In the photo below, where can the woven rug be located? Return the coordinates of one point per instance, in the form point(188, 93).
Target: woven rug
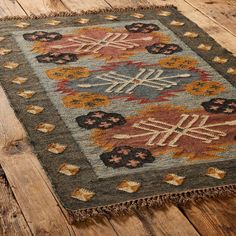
point(125, 109)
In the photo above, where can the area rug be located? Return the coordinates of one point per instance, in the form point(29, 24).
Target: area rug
point(125, 109)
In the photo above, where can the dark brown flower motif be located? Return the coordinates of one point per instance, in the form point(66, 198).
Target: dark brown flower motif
point(42, 36)
point(162, 48)
point(57, 58)
point(142, 28)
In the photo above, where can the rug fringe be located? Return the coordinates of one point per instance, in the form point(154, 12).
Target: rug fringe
point(82, 13)
point(158, 201)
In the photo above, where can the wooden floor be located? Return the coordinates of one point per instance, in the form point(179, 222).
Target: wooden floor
point(27, 203)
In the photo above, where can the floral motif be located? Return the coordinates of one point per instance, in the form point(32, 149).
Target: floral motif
point(142, 28)
point(57, 58)
point(163, 48)
point(42, 36)
point(220, 105)
point(68, 73)
point(102, 42)
point(204, 88)
point(85, 100)
point(169, 130)
point(126, 156)
point(100, 119)
point(178, 62)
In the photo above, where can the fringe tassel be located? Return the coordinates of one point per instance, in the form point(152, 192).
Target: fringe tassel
point(82, 13)
point(129, 207)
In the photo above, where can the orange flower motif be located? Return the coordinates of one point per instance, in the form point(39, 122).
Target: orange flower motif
point(178, 62)
point(68, 73)
point(85, 100)
point(204, 88)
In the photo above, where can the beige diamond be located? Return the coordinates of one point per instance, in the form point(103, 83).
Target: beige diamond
point(137, 15)
point(164, 13)
point(19, 80)
point(68, 169)
point(1, 38)
point(23, 24)
point(53, 22)
point(205, 47)
point(26, 94)
point(11, 65)
point(82, 20)
point(82, 194)
point(34, 109)
point(176, 23)
point(191, 34)
point(128, 186)
point(56, 148)
point(45, 127)
point(231, 71)
point(4, 51)
point(215, 173)
point(220, 60)
point(110, 17)
point(174, 179)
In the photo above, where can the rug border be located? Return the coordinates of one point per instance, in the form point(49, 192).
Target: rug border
point(152, 201)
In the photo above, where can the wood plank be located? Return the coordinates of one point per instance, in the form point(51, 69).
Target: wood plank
point(10, 8)
point(167, 221)
point(39, 207)
point(12, 221)
point(85, 5)
point(127, 3)
point(42, 6)
point(214, 217)
point(222, 12)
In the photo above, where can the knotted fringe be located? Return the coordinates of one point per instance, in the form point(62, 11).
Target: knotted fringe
point(81, 13)
point(129, 207)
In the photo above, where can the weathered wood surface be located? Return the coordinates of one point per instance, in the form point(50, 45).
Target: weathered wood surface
point(42, 212)
point(12, 221)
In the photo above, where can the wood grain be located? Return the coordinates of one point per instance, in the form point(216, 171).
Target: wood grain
point(222, 12)
point(10, 8)
point(214, 217)
point(42, 6)
point(12, 221)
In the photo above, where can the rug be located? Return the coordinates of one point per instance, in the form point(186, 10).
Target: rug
point(125, 109)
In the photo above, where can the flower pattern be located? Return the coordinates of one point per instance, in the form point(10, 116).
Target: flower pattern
point(100, 120)
point(220, 105)
point(204, 88)
point(68, 73)
point(126, 156)
point(57, 58)
point(162, 48)
point(178, 62)
point(85, 100)
point(42, 36)
point(142, 28)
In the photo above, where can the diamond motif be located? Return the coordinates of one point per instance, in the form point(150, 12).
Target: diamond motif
point(215, 173)
point(191, 34)
point(164, 13)
point(53, 22)
point(56, 148)
point(83, 20)
point(83, 194)
point(128, 186)
point(110, 17)
point(137, 15)
point(11, 65)
point(4, 51)
point(26, 94)
point(205, 47)
point(174, 179)
point(22, 25)
point(68, 169)
point(45, 127)
point(231, 71)
point(220, 60)
point(34, 109)
point(19, 80)
point(176, 23)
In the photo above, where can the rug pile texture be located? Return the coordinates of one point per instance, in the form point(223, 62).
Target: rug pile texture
point(125, 109)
